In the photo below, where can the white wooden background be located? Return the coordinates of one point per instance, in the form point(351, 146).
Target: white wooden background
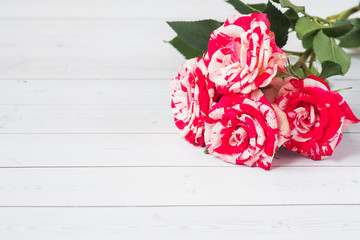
point(88, 148)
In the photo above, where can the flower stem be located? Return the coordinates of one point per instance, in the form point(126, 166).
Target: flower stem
point(293, 52)
point(302, 59)
point(306, 70)
point(342, 89)
point(345, 14)
point(312, 59)
point(316, 19)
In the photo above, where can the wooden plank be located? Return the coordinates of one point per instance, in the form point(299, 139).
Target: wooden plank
point(193, 9)
point(95, 49)
point(124, 118)
point(86, 119)
point(44, 92)
point(256, 222)
point(136, 91)
point(352, 96)
point(180, 186)
point(119, 150)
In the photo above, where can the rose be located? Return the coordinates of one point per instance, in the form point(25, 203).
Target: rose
point(191, 98)
point(271, 91)
point(243, 54)
point(316, 116)
point(245, 129)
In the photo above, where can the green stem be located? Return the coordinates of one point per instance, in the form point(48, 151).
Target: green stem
point(302, 59)
point(292, 72)
point(316, 18)
point(342, 89)
point(345, 14)
point(312, 59)
point(306, 70)
point(293, 52)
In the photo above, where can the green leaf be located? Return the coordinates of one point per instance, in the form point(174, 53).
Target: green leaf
point(305, 27)
point(276, 1)
point(246, 8)
point(300, 73)
point(340, 28)
point(307, 41)
point(288, 4)
point(352, 39)
point(195, 34)
point(330, 68)
point(279, 24)
point(187, 51)
point(206, 151)
point(326, 50)
point(292, 16)
point(258, 6)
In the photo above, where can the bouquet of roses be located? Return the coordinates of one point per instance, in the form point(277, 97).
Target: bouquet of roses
point(240, 96)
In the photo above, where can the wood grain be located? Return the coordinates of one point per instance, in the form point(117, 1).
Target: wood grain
point(95, 49)
point(131, 118)
point(180, 186)
point(89, 150)
point(256, 222)
point(144, 150)
point(155, 9)
point(112, 91)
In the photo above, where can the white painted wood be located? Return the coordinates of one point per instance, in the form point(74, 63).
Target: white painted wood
point(100, 69)
point(82, 150)
point(156, 9)
point(95, 49)
point(131, 118)
point(86, 119)
point(129, 10)
point(213, 223)
point(48, 92)
point(85, 92)
point(173, 186)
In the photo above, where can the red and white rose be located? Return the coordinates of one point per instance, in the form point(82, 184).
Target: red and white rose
point(191, 98)
point(243, 54)
point(317, 116)
point(245, 129)
point(231, 100)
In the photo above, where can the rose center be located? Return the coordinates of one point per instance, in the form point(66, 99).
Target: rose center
point(305, 117)
point(238, 137)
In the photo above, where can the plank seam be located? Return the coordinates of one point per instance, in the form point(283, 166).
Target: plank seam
point(172, 166)
point(184, 206)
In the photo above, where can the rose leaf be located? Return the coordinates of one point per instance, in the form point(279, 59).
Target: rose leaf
point(187, 51)
point(292, 16)
point(304, 27)
point(326, 50)
point(288, 4)
point(307, 41)
point(340, 28)
point(329, 68)
point(279, 24)
point(246, 8)
point(195, 34)
point(352, 39)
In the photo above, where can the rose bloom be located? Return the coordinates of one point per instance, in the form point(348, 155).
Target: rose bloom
point(243, 54)
point(191, 98)
point(317, 116)
point(271, 91)
point(245, 129)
